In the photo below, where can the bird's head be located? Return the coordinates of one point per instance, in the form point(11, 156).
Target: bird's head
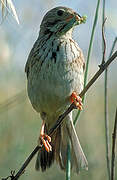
point(60, 20)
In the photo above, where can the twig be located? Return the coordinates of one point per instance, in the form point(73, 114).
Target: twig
point(104, 41)
point(22, 169)
point(92, 35)
point(105, 93)
point(106, 122)
point(10, 8)
point(113, 148)
point(113, 46)
point(60, 119)
point(89, 53)
point(106, 114)
point(103, 32)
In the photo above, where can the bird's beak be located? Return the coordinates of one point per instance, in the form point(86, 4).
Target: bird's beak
point(79, 19)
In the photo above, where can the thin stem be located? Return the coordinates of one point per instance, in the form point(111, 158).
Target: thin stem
point(106, 115)
point(106, 122)
point(68, 168)
point(103, 33)
point(113, 46)
point(91, 41)
point(105, 94)
point(104, 41)
point(89, 53)
point(114, 148)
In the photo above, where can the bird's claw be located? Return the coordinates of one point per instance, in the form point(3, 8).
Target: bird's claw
point(77, 100)
point(45, 139)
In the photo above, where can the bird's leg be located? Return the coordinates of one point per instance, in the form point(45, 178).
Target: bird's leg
point(45, 139)
point(77, 100)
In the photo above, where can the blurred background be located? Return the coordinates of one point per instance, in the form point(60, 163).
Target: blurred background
point(19, 123)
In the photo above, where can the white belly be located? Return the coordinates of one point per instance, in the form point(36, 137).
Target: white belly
point(49, 88)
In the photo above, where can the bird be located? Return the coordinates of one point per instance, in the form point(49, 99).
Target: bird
point(55, 78)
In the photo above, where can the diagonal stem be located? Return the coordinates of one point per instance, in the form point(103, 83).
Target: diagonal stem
point(114, 136)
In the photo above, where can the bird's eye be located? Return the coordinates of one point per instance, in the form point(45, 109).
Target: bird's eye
point(60, 12)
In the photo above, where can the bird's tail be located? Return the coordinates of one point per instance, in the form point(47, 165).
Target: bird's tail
point(59, 144)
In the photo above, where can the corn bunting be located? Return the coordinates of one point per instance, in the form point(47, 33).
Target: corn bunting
point(55, 76)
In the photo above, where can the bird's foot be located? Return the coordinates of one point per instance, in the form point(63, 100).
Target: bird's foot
point(77, 100)
point(45, 139)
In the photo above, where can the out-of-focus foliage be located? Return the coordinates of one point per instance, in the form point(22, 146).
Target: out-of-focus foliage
point(7, 5)
point(20, 124)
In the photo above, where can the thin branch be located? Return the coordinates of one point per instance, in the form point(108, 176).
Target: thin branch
point(113, 46)
point(106, 122)
point(114, 148)
point(105, 93)
point(103, 31)
point(104, 41)
point(10, 8)
point(106, 114)
point(60, 119)
point(91, 40)
point(11, 176)
point(89, 53)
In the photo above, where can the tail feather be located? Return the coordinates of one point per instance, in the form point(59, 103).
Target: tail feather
point(44, 160)
point(59, 144)
point(78, 155)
